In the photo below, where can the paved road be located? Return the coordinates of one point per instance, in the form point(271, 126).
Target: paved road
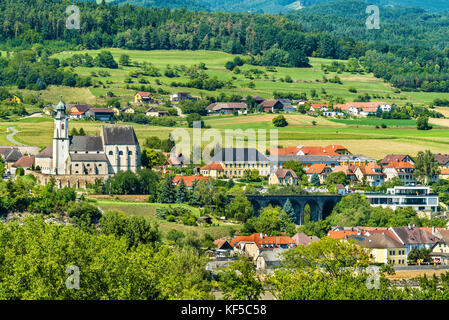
point(34, 115)
point(10, 138)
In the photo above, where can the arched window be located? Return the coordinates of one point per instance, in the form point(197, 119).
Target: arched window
point(111, 153)
point(130, 153)
point(120, 153)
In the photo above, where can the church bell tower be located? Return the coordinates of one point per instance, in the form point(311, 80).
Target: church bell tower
point(60, 140)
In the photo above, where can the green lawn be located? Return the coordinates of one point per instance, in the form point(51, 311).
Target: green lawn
point(148, 210)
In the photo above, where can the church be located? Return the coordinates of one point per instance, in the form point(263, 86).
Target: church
point(79, 160)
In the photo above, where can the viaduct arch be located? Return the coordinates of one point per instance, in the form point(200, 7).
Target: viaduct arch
point(320, 205)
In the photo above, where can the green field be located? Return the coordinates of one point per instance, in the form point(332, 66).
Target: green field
point(148, 210)
point(304, 79)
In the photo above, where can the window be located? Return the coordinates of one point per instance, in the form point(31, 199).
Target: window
point(130, 153)
point(111, 153)
point(120, 153)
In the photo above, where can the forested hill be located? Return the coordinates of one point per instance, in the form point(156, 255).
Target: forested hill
point(409, 55)
point(272, 6)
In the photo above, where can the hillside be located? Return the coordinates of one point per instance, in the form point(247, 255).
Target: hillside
point(272, 6)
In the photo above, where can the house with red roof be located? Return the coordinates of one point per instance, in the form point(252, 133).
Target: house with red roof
point(256, 243)
point(321, 169)
point(212, 169)
point(404, 170)
point(396, 158)
point(349, 171)
point(189, 180)
point(371, 174)
point(143, 97)
point(363, 109)
point(100, 114)
point(25, 162)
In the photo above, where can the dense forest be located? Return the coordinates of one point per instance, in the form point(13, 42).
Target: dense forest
point(410, 55)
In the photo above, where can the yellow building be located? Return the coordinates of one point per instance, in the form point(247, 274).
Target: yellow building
point(235, 161)
point(142, 97)
point(384, 248)
point(16, 99)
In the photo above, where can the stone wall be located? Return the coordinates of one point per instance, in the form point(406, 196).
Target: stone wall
point(72, 181)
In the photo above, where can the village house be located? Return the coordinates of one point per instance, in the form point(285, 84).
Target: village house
point(371, 174)
point(253, 245)
point(403, 170)
point(349, 172)
point(443, 160)
point(212, 169)
point(385, 248)
point(271, 106)
point(127, 110)
point(440, 250)
point(314, 108)
point(414, 238)
point(189, 180)
point(235, 161)
point(152, 112)
point(417, 197)
point(78, 108)
point(227, 108)
point(283, 177)
point(43, 159)
point(301, 239)
point(143, 97)
point(269, 259)
point(444, 174)
point(175, 98)
point(100, 114)
point(396, 158)
point(321, 169)
point(25, 162)
point(363, 109)
point(330, 150)
point(10, 155)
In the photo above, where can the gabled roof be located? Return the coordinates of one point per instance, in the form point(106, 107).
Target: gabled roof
point(144, 94)
point(393, 158)
point(381, 240)
point(188, 180)
point(151, 109)
point(348, 170)
point(98, 110)
point(364, 106)
point(400, 165)
point(270, 103)
point(216, 106)
point(46, 153)
point(370, 169)
point(82, 108)
point(341, 234)
point(413, 235)
point(24, 162)
point(303, 239)
point(318, 168)
point(284, 151)
point(442, 159)
point(119, 135)
point(212, 166)
point(263, 241)
point(239, 155)
point(11, 154)
point(86, 143)
point(281, 173)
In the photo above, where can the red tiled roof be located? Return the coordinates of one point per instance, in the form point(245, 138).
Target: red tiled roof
point(255, 238)
point(365, 106)
point(348, 170)
point(212, 166)
point(400, 165)
point(393, 157)
point(144, 94)
point(340, 234)
point(24, 162)
point(289, 151)
point(46, 153)
point(445, 171)
point(317, 167)
point(188, 180)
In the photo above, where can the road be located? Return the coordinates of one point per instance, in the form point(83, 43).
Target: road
point(179, 112)
point(10, 136)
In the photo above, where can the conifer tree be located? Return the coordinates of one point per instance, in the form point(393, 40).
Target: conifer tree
point(289, 210)
point(181, 193)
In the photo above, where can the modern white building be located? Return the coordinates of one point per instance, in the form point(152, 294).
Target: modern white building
point(417, 197)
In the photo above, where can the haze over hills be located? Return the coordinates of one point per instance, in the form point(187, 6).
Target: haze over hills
point(271, 6)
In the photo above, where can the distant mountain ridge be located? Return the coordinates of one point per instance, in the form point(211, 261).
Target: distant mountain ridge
point(271, 6)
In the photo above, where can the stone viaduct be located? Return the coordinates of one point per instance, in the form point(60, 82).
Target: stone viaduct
point(320, 205)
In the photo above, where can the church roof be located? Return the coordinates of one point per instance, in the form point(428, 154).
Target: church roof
point(119, 135)
point(88, 157)
point(46, 153)
point(86, 143)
